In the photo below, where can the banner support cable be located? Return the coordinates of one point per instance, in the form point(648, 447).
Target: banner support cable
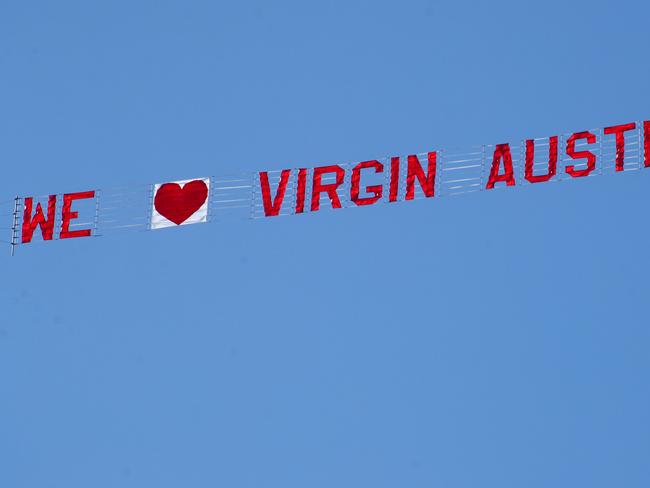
point(14, 227)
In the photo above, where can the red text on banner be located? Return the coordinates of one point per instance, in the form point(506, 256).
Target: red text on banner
point(67, 215)
point(573, 154)
point(301, 189)
point(552, 161)
point(38, 219)
point(329, 188)
point(619, 131)
point(501, 153)
point(46, 224)
point(394, 179)
point(376, 190)
point(273, 208)
point(646, 143)
point(427, 182)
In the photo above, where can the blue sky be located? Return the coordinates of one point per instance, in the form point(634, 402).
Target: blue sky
point(494, 340)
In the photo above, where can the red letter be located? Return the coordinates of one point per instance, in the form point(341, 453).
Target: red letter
point(377, 190)
point(46, 225)
point(273, 209)
point(571, 151)
point(620, 131)
point(646, 142)
point(502, 151)
point(300, 191)
point(67, 215)
point(394, 179)
point(415, 170)
point(552, 161)
point(330, 188)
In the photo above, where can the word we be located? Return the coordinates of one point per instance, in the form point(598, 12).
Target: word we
point(46, 223)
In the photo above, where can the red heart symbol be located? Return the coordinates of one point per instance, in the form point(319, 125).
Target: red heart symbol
point(179, 204)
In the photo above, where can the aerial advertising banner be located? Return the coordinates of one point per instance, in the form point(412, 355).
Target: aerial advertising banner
point(274, 193)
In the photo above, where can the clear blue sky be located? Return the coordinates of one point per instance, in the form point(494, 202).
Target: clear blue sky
point(498, 340)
